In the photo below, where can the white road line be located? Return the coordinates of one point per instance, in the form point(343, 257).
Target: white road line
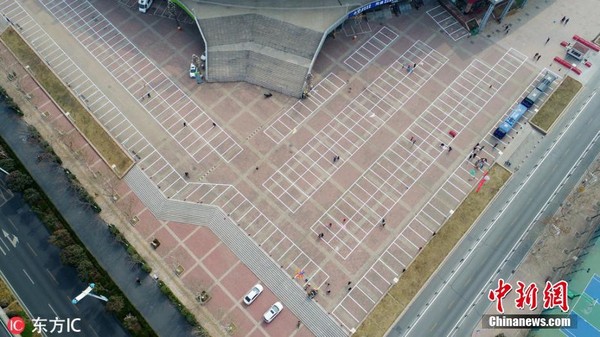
point(51, 276)
point(28, 276)
point(506, 207)
point(32, 251)
point(54, 311)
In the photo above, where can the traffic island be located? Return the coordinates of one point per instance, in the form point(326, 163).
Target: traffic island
point(100, 140)
point(431, 257)
point(558, 101)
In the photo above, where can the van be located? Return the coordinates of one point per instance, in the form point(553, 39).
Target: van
point(144, 5)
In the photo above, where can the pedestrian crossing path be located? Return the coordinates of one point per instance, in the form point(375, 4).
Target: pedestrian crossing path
point(248, 251)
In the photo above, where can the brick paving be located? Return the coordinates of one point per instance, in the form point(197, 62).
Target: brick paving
point(242, 112)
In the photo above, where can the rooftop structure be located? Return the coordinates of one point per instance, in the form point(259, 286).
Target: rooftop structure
point(269, 43)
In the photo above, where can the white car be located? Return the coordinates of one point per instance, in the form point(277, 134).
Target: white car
point(253, 294)
point(275, 309)
point(193, 70)
point(144, 5)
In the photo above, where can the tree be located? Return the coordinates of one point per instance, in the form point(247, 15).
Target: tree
point(131, 322)
point(72, 255)
point(18, 181)
point(115, 304)
point(87, 271)
point(32, 196)
point(61, 238)
point(8, 164)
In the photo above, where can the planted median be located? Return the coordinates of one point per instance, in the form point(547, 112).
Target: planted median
point(89, 127)
point(432, 255)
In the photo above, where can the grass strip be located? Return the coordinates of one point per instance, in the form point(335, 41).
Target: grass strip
point(432, 255)
point(98, 137)
point(556, 104)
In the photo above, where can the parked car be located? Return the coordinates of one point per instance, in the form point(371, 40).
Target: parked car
point(144, 5)
point(193, 70)
point(253, 294)
point(275, 309)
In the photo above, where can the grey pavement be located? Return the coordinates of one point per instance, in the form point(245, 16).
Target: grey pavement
point(33, 269)
point(452, 302)
point(275, 278)
point(162, 316)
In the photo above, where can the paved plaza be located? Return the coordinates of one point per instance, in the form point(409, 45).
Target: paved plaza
point(239, 188)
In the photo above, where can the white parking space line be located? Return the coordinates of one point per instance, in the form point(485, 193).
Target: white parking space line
point(369, 50)
point(302, 110)
point(111, 39)
point(363, 116)
point(511, 59)
point(448, 23)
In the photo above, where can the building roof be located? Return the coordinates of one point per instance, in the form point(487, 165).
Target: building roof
point(262, 42)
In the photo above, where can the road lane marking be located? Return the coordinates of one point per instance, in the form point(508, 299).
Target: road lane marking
point(521, 186)
point(30, 248)
point(29, 277)
point(91, 328)
point(4, 243)
point(54, 311)
point(52, 276)
point(535, 219)
point(13, 224)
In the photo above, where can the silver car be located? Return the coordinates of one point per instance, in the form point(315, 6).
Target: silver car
point(253, 294)
point(275, 309)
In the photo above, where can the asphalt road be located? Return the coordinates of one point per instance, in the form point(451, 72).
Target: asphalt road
point(451, 304)
point(93, 232)
point(32, 267)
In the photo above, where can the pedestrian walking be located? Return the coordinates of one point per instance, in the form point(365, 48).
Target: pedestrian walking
point(186, 174)
point(349, 282)
point(538, 58)
point(349, 288)
point(184, 124)
point(481, 148)
point(536, 55)
point(442, 145)
point(343, 220)
point(471, 156)
point(149, 95)
point(334, 159)
point(328, 292)
point(338, 158)
point(449, 149)
point(566, 21)
point(383, 222)
point(490, 86)
point(495, 145)
point(330, 224)
point(563, 19)
point(412, 139)
point(547, 40)
point(298, 325)
point(214, 124)
point(138, 281)
point(506, 32)
point(414, 65)
point(328, 284)
point(321, 235)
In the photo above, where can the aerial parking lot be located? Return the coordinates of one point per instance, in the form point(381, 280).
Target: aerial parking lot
point(336, 193)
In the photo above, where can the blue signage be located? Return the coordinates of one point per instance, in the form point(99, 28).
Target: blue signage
point(368, 6)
